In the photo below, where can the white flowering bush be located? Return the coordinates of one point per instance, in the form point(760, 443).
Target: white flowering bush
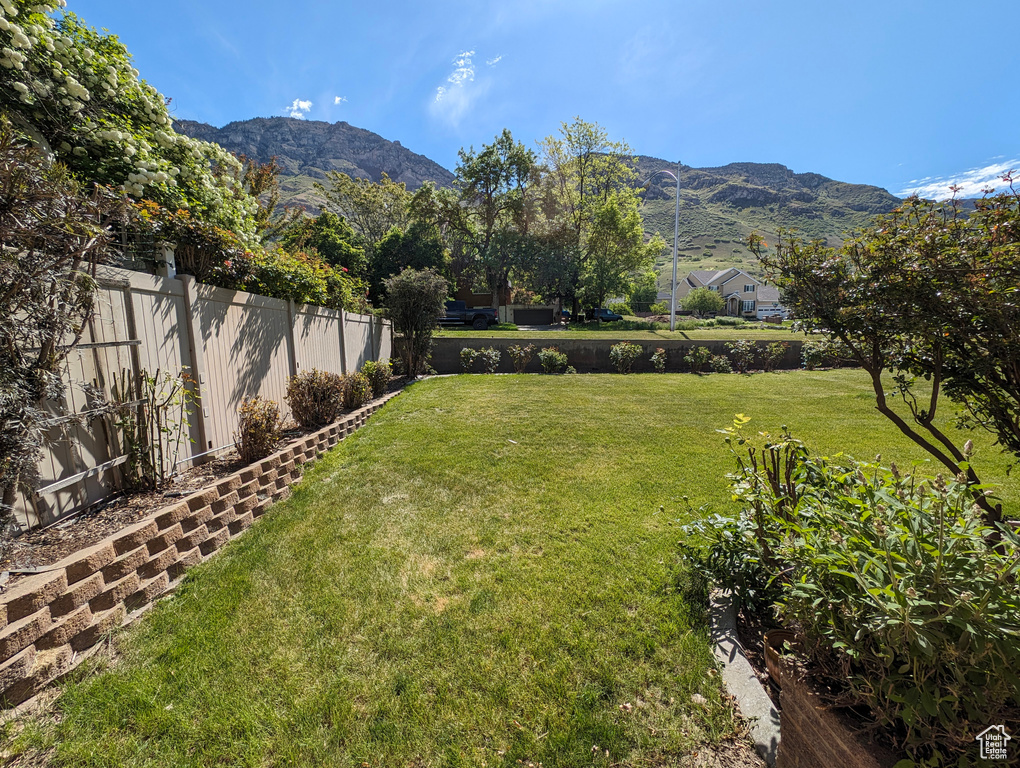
point(74, 92)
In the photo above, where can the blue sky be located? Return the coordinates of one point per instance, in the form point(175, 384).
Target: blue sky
point(905, 95)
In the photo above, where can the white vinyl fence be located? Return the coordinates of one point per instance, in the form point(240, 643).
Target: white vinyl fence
point(234, 344)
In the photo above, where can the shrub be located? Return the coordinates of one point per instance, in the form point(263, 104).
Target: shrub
point(702, 301)
point(415, 300)
point(773, 355)
point(697, 358)
point(720, 364)
point(570, 369)
point(659, 360)
point(467, 358)
point(357, 390)
point(490, 357)
point(552, 360)
point(258, 428)
point(521, 356)
point(623, 355)
point(906, 603)
point(620, 308)
point(315, 398)
point(824, 352)
point(659, 308)
point(379, 375)
point(743, 351)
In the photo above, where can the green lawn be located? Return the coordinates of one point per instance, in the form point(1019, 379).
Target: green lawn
point(484, 575)
point(720, 332)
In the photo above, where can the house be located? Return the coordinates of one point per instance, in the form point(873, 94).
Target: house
point(745, 296)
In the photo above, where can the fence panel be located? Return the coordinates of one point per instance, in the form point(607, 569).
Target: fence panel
point(244, 345)
point(317, 339)
point(358, 333)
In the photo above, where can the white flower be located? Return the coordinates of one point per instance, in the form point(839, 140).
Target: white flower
point(21, 88)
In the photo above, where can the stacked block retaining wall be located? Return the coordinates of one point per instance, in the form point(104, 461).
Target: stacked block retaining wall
point(50, 621)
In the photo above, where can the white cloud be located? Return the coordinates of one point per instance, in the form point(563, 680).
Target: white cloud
point(339, 99)
point(299, 108)
point(493, 62)
point(972, 183)
point(453, 99)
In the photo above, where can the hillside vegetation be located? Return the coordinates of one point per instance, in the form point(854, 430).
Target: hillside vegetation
point(719, 207)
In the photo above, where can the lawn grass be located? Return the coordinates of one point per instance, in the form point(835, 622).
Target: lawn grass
point(721, 332)
point(484, 574)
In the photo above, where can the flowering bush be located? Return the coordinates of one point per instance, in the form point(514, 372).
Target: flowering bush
point(552, 360)
point(315, 397)
point(75, 93)
point(697, 358)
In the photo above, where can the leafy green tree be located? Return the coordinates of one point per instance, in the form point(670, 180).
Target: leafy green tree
point(616, 249)
point(371, 208)
point(496, 204)
point(332, 238)
point(583, 172)
point(415, 301)
point(419, 248)
point(74, 92)
point(926, 292)
point(643, 292)
point(702, 301)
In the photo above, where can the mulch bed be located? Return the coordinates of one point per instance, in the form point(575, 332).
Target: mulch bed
point(39, 547)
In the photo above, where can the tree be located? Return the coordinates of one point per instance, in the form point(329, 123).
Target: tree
point(415, 301)
point(332, 238)
point(494, 197)
point(702, 301)
point(583, 170)
point(54, 232)
point(928, 292)
point(74, 92)
point(371, 208)
point(419, 248)
point(616, 249)
point(644, 292)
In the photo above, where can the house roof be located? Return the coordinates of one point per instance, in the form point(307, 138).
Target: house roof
point(768, 293)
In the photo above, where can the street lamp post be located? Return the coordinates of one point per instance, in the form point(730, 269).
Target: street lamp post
point(676, 234)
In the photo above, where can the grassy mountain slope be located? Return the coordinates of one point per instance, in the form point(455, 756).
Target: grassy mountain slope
point(720, 207)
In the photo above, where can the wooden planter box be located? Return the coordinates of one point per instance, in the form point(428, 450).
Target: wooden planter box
point(814, 735)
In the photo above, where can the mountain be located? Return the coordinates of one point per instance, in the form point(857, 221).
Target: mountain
point(307, 149)
point(719, 207)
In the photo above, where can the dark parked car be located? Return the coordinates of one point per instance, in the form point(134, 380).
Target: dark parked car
point(604, 315)
point(479, 318)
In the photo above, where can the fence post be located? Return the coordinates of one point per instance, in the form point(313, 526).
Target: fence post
point(196, 351)
point(292, 315)
point(343, 341)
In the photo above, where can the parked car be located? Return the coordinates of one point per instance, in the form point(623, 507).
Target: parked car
point(458, 313)
point(604, 315)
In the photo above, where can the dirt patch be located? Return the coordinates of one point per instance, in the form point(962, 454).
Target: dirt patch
point(736, 755)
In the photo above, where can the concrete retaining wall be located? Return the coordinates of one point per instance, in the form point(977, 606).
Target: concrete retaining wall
point(592, 355)
point(50, 621)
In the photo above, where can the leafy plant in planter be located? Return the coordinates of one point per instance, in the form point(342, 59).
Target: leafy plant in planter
point(623, 356)
point(904, 601)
